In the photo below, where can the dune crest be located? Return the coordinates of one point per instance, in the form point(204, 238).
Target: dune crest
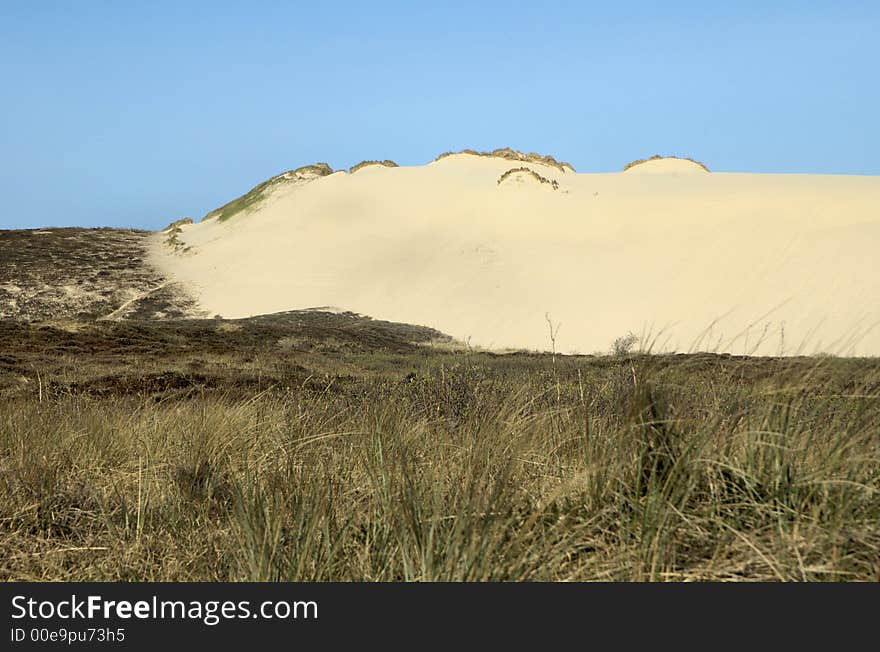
point(739, 263)
point(259, 193)
point(665, 165)
point(363, 164)
point(509, 154)
point(525, 174)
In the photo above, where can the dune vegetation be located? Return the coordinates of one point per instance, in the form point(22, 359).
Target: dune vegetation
point(514, 155)
point(252, 198)
point(528, 172)
point(311, 449)
point(172, 233)
point(387, 163)
point(183, 221)
point(657, 157)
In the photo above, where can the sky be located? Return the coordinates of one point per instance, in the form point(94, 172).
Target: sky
point(139, 113)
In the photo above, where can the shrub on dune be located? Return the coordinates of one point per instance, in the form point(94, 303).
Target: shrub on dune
point(528, 172)
point(514, 155)
point(387, 163)
point(657, 157)
point(252, 198)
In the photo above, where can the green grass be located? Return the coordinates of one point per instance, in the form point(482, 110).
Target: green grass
point(175, 225)
point(514, 155)
point(172, 231)
point(251, 199)
point(256, 195)
point(426, 466)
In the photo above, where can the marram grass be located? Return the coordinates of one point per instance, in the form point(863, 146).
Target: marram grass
point(461, 472)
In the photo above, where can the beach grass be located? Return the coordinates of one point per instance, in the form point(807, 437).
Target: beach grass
point(657, 157)
point(246, 460)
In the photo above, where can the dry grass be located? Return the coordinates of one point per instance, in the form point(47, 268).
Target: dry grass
point(320, 446)
point(173, 241)
point(514, 155)
point(137, 453)
point(657, 157)
point(524, 170)
point(178, 223)
point(83, 274)
point(387, 163)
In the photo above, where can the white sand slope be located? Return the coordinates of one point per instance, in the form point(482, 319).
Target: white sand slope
point(741, 263)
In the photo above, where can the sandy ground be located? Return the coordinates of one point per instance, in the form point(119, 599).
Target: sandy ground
point(740, 263)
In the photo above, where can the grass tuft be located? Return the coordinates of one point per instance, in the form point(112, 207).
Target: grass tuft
point(524, 170)
point(416, 464)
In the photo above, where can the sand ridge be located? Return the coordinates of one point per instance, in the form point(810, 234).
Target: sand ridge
point(666, 165)
point(742, 263)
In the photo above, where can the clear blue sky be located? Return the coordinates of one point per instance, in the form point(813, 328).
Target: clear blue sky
point(139, 113)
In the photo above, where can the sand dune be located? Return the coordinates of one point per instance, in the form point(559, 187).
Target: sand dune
point(743, 263)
